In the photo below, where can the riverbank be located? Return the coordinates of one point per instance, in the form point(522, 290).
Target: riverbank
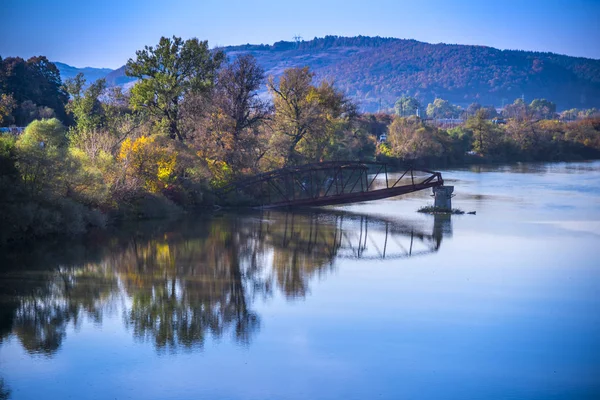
point(25, 219)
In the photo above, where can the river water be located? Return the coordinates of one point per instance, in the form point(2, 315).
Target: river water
point(366, 301)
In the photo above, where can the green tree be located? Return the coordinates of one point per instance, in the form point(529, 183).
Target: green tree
point(485, 134)
point(406, 106)
point(41, 153)
point(85, 105)
point(461, 140)
point(543, 109)
point(169, 72)
point(441, 108)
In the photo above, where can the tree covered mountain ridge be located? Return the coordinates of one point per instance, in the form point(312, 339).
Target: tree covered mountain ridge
point(375, 71)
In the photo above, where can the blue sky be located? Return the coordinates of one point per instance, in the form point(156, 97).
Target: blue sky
point(106, 33)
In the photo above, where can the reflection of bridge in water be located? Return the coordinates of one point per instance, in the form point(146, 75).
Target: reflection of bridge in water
point(328, 183)
point(350, 236)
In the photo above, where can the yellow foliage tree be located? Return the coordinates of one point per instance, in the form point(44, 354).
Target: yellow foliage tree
point(220, 171)
point(148, 161)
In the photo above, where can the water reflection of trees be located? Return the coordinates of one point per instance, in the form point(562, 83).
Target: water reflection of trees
point(176, 285)
point(4, 390)
point(186, 285)
point(42, 294)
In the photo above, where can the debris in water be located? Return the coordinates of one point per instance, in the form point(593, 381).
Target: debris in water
point(440, 210)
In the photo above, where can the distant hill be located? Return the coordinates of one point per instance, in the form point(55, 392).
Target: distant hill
point(376, 71)
point(382, 69)
point(118, 78)
point(91, 74)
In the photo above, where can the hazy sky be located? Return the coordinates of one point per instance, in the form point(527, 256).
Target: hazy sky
point(106, 33)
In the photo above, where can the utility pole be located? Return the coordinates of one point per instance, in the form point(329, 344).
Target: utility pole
point(297, 39)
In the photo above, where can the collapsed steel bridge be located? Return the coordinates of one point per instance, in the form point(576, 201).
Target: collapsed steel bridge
point(328, 183)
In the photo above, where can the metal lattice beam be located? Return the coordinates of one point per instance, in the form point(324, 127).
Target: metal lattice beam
point(328, 183)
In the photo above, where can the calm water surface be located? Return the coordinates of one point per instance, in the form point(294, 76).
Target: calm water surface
point(367, 301)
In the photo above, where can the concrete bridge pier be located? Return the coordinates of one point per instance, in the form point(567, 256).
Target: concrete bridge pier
point(443, 197)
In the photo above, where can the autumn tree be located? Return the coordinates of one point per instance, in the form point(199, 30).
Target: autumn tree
point(410, 139)
point(519, 110)
point(167, 73)
point(586, 132)
point(237, 113)
point(334, 132)
point(7, 105)
point(296, 111)
point(306, 116)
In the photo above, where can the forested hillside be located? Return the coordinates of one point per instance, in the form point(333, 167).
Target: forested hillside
point(376, 71)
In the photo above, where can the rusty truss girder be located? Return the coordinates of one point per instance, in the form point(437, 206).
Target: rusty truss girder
point(329, 183)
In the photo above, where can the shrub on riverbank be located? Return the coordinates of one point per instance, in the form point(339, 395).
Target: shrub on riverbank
point(34, 186)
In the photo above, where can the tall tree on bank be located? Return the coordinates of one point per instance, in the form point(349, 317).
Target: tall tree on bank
point(307, 118)
point(241, 109)
point(486, 136)
point(296, 111)
point(237, 93)
point(169, 72)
